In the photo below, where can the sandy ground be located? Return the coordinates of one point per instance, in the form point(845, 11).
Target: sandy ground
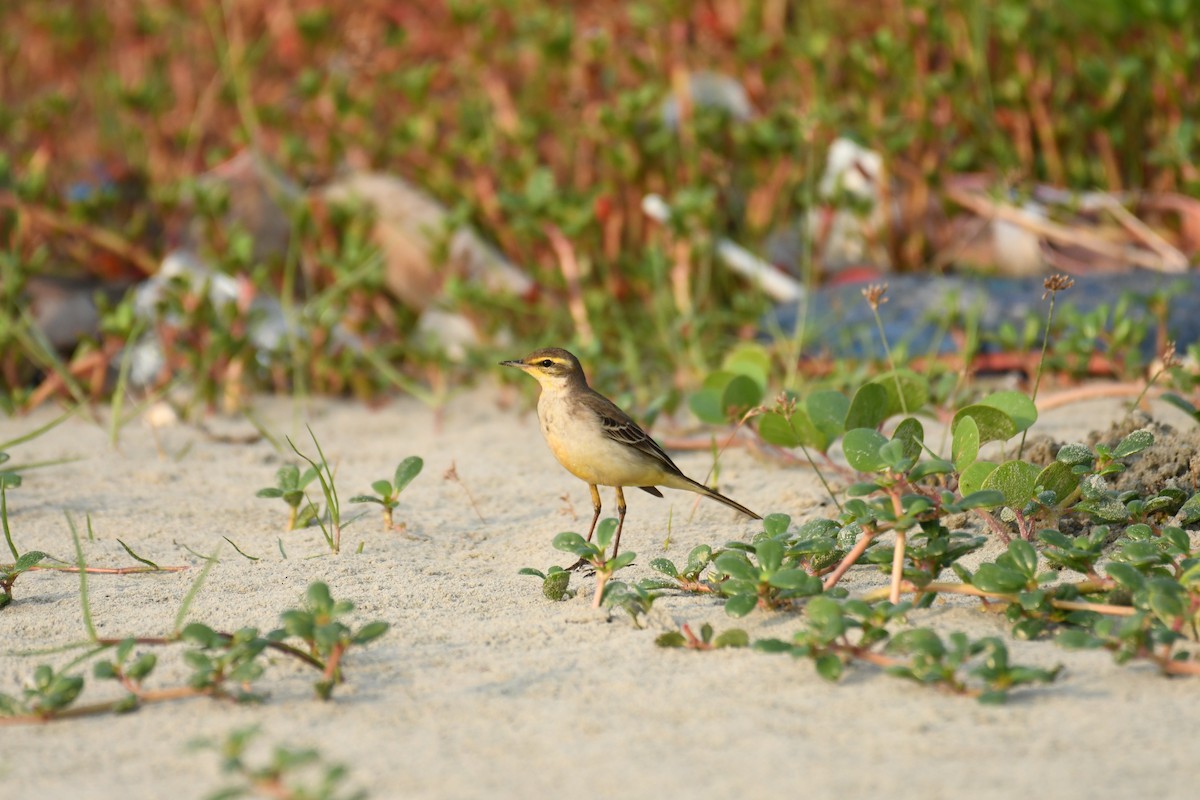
point(483, 688)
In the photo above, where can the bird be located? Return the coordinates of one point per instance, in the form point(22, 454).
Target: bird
point(599, 443)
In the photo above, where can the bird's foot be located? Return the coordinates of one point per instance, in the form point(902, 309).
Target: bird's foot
point(580, 565)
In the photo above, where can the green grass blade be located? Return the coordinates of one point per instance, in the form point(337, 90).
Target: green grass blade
point(240, 552)
point(4, 520)
point(36, 432)
point(84, 602)
point(118, 395)
point(197, 584)
point(132, 554)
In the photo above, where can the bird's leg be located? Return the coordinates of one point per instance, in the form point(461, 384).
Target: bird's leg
point(620, 520)
point(595, 509)
point(592, 530)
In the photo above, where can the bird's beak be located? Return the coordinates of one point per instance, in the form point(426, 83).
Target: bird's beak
point(517, 364)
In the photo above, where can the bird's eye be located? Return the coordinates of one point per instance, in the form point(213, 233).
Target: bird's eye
point(547, 363)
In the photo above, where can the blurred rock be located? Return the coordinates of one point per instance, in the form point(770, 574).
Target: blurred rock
point(411, 228)
point(268, 329)
point(453, 333)
point(64, 309)
point(260, 197)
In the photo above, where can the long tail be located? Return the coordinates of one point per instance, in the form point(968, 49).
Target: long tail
point(699, 488)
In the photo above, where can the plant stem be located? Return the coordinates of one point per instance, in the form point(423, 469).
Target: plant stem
point(897, 567)
point(859, 548)
point(967, 589)
point(1037, 381)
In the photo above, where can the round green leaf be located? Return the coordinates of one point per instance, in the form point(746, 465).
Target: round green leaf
point(741, 394)
point(829, 666)
point(604, 532)
point(991, 577)
point(28, 560)
point(1059, 478)
point(770, 555)
point(665, 566)
point(750, 359)
point(370, 632)
point(964, 447)
point(622, 561)
point(736, 565)
point(909, 396)
point(774, 428)
point(825, 614)
point(734, 637)
point(912, 433)
point(994, 425)
point(1135, 442)
point(828, 410)
point(1125, 575)
point(868, 408)
point(408, 469)
point(776, 524)
point(796, 580)
point(1016, 405)
point(1024, 557)
point(861, 446)
point(670, 639)
point(1190, 510)
point(741, 604)
point(571, 542)
point(706, 405)
point(1074, 454)
point(972, 478)
point(1015, 480)
point(980, 499)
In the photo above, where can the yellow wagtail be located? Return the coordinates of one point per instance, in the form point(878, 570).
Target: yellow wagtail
point(598, 442)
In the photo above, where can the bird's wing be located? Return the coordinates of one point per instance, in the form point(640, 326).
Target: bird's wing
point(619, 427)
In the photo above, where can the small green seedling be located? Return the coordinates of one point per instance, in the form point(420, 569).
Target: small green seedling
point(289, 484)
point(47, 694)
point(22, 562)
point(684, 637)
point(10, 572)
point(688, 578)
point(284, 776)
point(223, 665)
point(593, 554)
point(635, 599)
point(554, 581)
point(388, 492)
point(771, 583)
point(327, 638)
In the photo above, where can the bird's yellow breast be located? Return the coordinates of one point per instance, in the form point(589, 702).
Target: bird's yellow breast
point(578, 441)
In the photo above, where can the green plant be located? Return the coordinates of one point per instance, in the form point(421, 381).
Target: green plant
point(555, 581)
point(684, 637)
point(839, 632)
point(593, 554)
point(388, 492)
point(635, 599)
point(289, 485)
point(223, 665)
point(286, 775)
point(687, 578)
point(331, 529)
point(22, 562)
point(319, 627)
point(772, 582)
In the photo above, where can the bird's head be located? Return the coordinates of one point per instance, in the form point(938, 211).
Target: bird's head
point(553, 367)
